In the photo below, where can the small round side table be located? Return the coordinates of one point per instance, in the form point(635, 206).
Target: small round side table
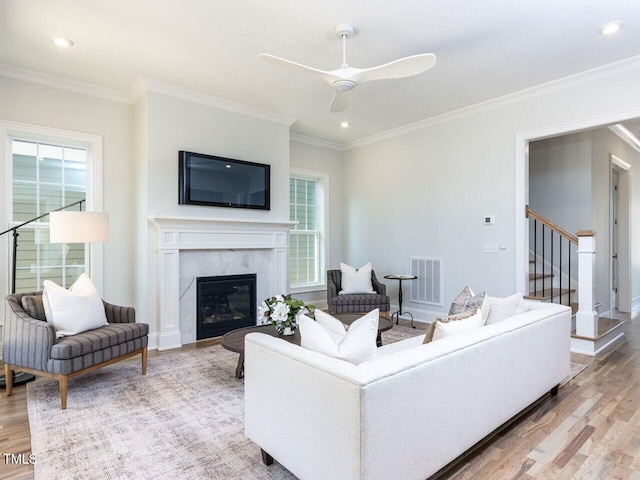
point(400, 278)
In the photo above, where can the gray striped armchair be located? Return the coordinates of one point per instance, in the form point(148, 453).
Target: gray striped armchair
point(358, 302)
point(30, 344)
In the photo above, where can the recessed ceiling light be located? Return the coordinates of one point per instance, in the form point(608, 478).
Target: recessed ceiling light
point(610, 28)
point(63, 42)
point(345, 124)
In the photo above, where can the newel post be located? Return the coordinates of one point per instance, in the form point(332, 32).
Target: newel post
point(586, 318)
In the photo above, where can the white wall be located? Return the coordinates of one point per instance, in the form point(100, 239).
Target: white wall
point(326, 160)
point(170, 124)
point(425, 191)
point(560, 180)
point(420, 191)
point(35, 104)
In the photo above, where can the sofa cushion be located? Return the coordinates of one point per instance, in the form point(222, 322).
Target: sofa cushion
point(359, 302)
point(75, 310)
point(495, 309)
point(34, 306)
point(327, 335)
point(356, 281)
point(454, 324)
point(466, 300)
point(73, 346)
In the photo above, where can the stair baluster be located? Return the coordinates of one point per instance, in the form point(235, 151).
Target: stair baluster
point(549, 252)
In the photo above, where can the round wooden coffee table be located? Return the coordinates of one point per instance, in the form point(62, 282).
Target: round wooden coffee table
point(234, 340)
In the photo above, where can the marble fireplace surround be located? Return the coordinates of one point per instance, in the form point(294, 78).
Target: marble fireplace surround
point(190, 247)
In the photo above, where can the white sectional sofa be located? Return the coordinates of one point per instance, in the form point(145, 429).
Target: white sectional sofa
point(410, 411)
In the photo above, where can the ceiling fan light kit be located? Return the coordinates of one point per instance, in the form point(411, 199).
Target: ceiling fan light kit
point(345, 78)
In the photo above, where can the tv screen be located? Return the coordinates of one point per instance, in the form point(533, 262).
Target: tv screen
point(222, 182)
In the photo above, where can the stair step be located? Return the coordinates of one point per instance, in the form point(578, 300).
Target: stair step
point(605, 326)
point(609, 331)
point(548, 293)
point(538, 276)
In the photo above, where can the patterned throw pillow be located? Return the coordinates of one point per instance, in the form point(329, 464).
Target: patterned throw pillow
point(496, 310)
point(466, 300)
point(32, 304)
point(471, 318)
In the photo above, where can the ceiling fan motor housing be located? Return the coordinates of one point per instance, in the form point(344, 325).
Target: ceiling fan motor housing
point(343, 85)
point(345, 29)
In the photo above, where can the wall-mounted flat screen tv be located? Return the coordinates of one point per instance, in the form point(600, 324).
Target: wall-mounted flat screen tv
point(223, 182)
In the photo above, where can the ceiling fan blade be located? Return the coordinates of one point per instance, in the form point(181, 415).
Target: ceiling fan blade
point(339, 103)
point(401, 68)
point(330, 77)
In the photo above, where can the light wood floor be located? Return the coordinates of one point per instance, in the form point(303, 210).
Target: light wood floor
point(590, 430)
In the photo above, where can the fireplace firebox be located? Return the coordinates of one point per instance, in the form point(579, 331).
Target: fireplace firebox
point(225, 303)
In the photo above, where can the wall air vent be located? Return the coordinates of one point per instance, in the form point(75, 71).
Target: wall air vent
point(427, 288)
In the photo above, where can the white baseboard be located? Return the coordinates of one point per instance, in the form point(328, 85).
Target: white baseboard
point(419, 315)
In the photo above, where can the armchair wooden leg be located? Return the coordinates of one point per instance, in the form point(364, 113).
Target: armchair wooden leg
point(266, 458)
point(8, 379)
point(144, 361)
point(63, 391)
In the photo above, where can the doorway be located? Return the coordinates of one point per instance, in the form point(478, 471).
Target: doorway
point(620, 235)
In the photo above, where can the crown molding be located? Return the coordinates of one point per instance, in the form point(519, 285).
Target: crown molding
point(139, 88)
point(594, 74)
point(316, 142)
point(626, 135)
point(61, 83)
point(147, 85)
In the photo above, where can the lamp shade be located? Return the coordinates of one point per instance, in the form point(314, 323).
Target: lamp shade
point(78, 227)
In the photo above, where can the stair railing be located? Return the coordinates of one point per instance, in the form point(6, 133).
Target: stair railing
point(545, 235)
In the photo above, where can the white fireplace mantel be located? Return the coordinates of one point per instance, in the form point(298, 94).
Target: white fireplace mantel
point(200, 233)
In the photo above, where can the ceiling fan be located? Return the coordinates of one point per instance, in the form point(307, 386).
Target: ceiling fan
point(345, 78)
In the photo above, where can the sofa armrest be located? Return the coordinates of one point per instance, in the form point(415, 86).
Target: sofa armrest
point(26, 341)
point(380, 288)
point(295, 401)
point(333, 282)
point(118, 314)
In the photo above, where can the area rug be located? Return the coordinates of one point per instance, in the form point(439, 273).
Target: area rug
point(183, 420)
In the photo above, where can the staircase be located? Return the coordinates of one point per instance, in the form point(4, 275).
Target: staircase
point(562, 265)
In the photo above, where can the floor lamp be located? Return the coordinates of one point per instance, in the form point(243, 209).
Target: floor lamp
point(64, 227)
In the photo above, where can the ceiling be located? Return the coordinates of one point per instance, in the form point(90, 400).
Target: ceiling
point(485, 49)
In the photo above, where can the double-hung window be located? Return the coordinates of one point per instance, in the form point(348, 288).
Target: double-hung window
point(48, 173)
point(307, 193)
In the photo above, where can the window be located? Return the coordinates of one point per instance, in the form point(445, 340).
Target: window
point(48, 173)
point(307, 193)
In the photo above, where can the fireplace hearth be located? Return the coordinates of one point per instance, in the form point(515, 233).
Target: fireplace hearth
point(225, 303)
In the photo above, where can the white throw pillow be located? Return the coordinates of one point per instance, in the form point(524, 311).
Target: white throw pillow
point(356, 281)
point(497, 309)
point(327, 335)
point(446, 329)
point(75, 310)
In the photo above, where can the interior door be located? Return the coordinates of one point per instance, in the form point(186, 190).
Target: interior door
point(620, 234)
point(615, 201)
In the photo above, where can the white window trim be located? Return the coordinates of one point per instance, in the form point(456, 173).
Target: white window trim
point(323, 245)
point(94, 199)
